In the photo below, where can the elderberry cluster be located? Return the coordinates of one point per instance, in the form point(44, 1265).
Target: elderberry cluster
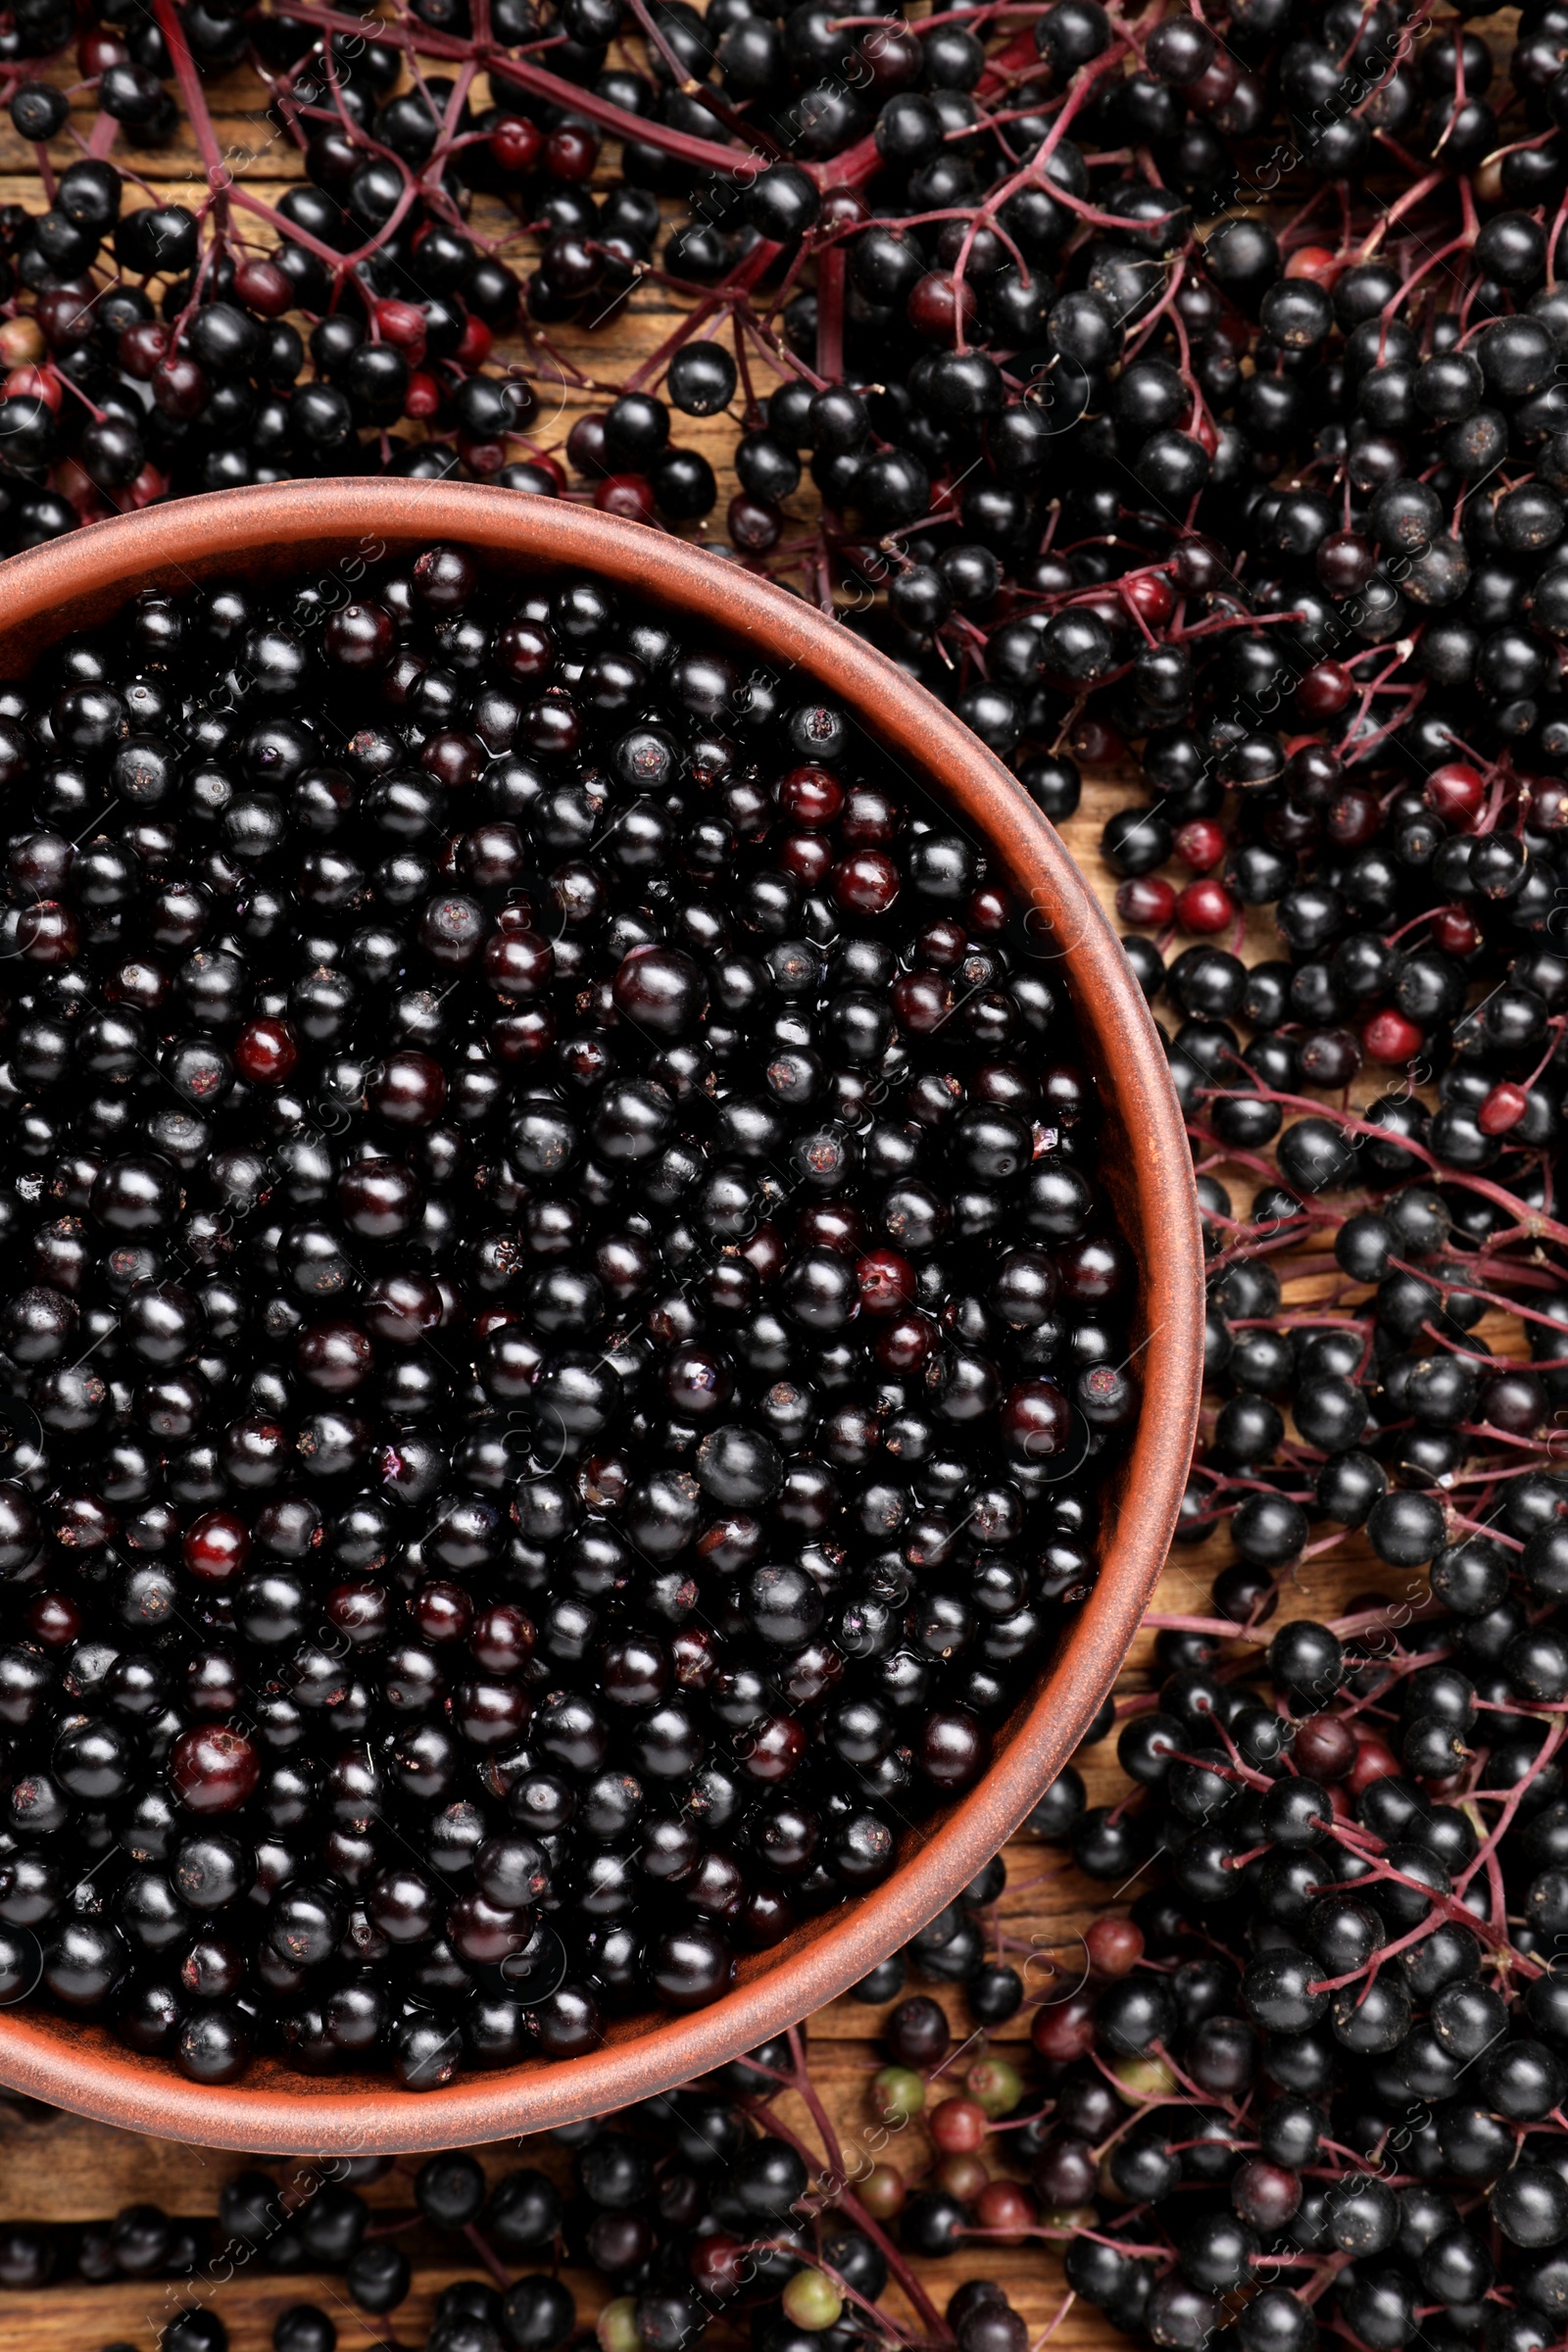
point(1333, 2049)
point(561, 1334)
point(1035, 298)
point(690, 2209)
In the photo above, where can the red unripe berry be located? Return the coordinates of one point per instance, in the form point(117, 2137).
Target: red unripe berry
point(810, 797)
point(33, 383)
point(1114, 1945)
point(1454, 931)
point(1005, 2209)
point(266, 1052)
point(1325, 689)
point(716, 2265)
point(1388, 1037)
point(1150, 595)
point(867, 883)
point(1201, 844)
point(1375, 1761)
point(1503, 1109)
point(886, 1282)
point(1315, 263)
point(958, 2126)
point(515, 144)
point(212, 1770)
point(1325, 1746)
point(934, 307)
point(402, 325)
point(476, 345)
point(423, 395)
point(572, 152)
point(262, 287)
point(882, 2192)
point(1454, 792)
point(1147, 899)
point(1065, 2030)
point(628, 494)
point(215, 1547)
point(1205, 907)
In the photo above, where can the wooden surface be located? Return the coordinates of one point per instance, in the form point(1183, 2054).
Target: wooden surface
point(56, 2169)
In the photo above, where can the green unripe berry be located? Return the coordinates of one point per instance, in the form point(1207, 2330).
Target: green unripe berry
point(812, 2301)
point(897, 2093)
point(996, 2085)
point(617, 2326)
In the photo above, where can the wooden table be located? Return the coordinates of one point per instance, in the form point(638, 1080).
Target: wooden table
point(54, 2168)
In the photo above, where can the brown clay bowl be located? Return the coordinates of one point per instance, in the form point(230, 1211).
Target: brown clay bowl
point(324, 529)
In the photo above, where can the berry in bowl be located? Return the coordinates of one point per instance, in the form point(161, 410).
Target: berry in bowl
point(590, 1403)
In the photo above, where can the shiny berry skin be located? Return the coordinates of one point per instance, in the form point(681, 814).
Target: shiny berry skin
point(958, 2126)
point(515, 144)
point(1147, 899)
point(1114, 1945)
point(266, 1051)
point(216, 1547)
point(886, 1282)
point(1324, 691)
point(1201, 845)
point(1455, 793)
point(213, 1771)
point(810, 797)
point(867, 883)
point(1454, 931)
point(1205, 907)
point(1503, 1109)
point(1388, 1037)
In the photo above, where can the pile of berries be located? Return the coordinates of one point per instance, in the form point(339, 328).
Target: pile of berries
point(562, 1333)
point(1325, 2080)
point(694, 2211)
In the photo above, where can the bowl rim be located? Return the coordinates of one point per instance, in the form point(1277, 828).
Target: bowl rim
point(284, 527)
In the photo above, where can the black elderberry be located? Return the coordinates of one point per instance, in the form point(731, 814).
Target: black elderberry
point(337, 1475)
